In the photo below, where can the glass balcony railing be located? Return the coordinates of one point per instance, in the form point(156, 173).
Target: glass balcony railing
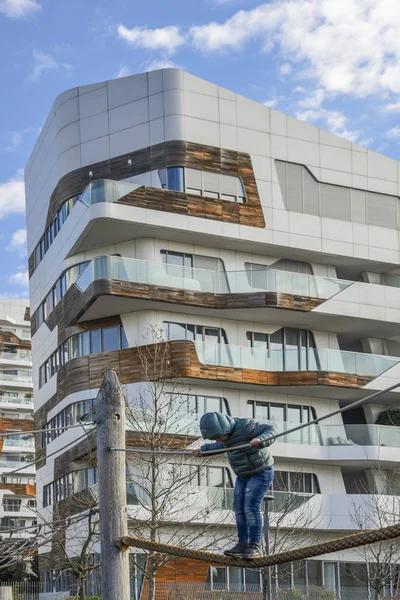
point(313, 435)
point(17, 400)
point(106, 190)
point(29, 443)
point(205, 280)
point(15, 464)
point(16, 356)
point(201, 498)
point(16, 378)
point(296, 359)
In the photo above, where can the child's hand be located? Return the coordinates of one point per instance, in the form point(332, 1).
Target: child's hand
point(256, 443)
point(197, 452)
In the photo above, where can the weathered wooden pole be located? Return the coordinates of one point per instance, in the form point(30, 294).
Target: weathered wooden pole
point(110, 419)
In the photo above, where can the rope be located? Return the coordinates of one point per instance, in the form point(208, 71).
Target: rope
point(351, 541)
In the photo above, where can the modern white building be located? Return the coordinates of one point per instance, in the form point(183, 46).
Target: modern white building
point(17, 484)
point(267, 251)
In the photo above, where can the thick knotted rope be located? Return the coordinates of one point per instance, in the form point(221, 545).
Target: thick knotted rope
point(337, 545)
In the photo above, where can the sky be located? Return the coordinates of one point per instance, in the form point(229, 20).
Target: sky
point(333, 63)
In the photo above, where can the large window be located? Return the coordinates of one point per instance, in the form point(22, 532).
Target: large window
point(272, 411)
point(199, 405)
point(292, 481)
point(82, 344)
point(214, 185)
point(196, 333)
point(70, 415)
point(289, 349)
point(218, 282)
point(233, 579)
point(74, 482)
point(52, 230)
point(58, 290)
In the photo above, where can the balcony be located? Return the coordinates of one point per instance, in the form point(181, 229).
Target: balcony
point(292, 360)
point(6, 465)
point(200, 498)
point(15, 358)
point(19, 445)
point(20, 381)
point(16, 402)
point(204, 280)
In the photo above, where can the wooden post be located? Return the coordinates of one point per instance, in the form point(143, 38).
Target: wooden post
point(110, 419)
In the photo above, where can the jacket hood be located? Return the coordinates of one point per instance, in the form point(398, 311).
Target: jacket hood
point(214, 424)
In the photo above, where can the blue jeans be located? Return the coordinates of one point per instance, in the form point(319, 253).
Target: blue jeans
point(248, 495)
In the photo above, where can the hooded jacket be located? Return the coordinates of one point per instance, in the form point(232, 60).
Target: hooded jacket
point(245, 463)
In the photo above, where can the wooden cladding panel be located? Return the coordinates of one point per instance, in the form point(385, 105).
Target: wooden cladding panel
point(170, 154)
point(75, 303)
point(19, 489)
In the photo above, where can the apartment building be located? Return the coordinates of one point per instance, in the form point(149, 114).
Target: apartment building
point(17, 490)
point(264, 249)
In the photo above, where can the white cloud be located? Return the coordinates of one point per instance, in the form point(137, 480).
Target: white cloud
point(19, 278)
point(123, 71)
point(393, 133)
point(285, 69)
point(393, 107)
point(15, 140)
point(334, 121)
point(12, 196)
point(271, 102)
point(42, 64)
point(18, 242)
point(155, 65)
point(18, 9)
point(349, 47)
point(165, 38)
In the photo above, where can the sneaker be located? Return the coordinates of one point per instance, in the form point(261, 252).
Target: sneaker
point(237, 550)
point(253, 551)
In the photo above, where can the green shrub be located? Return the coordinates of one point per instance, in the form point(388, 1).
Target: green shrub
point(321, 593)
point(290, 594)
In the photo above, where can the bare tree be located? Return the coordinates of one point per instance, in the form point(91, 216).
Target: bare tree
point(74, 541)
point(381, 561)
point(293, 521)
point(171, 504)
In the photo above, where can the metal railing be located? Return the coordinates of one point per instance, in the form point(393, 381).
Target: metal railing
point(206, 280)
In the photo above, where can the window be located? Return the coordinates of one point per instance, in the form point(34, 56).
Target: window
point(59, 289)
point(198, 333)
point(287, 481)
point(172, 178)
point(267, 277)
point(214, 185)
point(197, 268)
point(187, 403)
point(82, 344)
point(11, 504)
point(271, 411)
point(289, 349)
point(65, 486)
point(70, 415)
point(52, 230)
point(233, 579)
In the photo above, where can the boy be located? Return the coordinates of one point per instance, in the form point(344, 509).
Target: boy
point(253, 468)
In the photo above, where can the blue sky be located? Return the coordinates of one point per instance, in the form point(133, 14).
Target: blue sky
point(334, 63)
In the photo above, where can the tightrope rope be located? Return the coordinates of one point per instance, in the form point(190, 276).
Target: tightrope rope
point(350, 541)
